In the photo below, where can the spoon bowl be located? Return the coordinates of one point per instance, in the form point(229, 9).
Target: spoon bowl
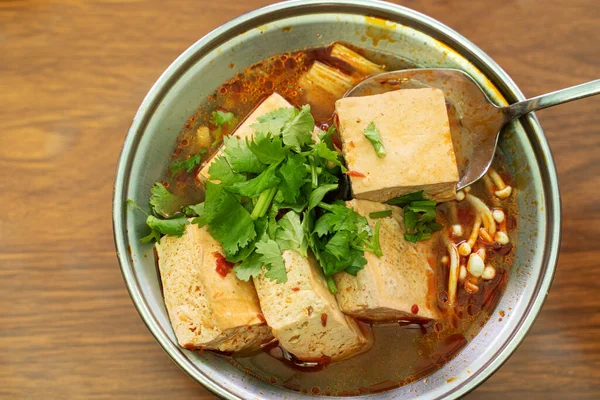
point(475, 121)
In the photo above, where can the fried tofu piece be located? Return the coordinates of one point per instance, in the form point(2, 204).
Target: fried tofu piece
point(305, 316)
point(271, 103)
point(415, 132)
point(208, 310)
point(245, 130)
point(397, 286)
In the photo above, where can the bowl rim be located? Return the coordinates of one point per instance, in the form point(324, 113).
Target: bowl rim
point(271, 13)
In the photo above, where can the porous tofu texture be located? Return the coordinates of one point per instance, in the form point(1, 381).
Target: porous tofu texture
point(414, 129)
point(245, 130)
point(305, 316)
point(206, 309)
point(398, 285)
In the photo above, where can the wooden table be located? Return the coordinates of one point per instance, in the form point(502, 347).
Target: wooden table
point(72, 75)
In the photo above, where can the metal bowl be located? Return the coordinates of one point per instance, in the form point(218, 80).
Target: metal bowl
point(379, 26)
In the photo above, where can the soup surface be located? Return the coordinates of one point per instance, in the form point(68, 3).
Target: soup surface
point(403, 351)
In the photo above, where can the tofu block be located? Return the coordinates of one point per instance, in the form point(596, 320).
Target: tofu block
point(207, 310)
point(271, 103)
point(415, 132)
point(305, 316)
point(245, 130)
point(389, 287)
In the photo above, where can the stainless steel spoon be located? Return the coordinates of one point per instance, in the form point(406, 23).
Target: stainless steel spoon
point(475, 122)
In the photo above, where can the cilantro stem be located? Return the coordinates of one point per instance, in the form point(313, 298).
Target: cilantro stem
point(331, 284)
point(376, 243)
point(325, 206)
point(133, 203)
point(380, 214)
point(262, 205)
point(314, 173)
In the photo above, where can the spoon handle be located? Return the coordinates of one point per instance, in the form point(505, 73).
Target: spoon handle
point(551, 99)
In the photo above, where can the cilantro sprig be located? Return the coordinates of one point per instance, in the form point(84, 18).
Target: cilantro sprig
point(161, 219)
point(419, 216)
point(274, 194)
point(339, 238)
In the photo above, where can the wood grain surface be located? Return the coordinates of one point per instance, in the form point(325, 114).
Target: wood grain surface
point(72, 74)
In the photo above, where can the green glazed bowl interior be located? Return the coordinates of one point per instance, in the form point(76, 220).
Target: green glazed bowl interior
point(377, 26)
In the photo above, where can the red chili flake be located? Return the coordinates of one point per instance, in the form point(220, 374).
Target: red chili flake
point(201, 351)
point(414, 309)
point(223, 266)
point(356, 174)
point(295, 289)
point(324, 319)
point(261, 317)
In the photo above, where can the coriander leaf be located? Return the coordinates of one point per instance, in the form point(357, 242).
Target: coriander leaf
point(194, 210)
point(198, 212)
point(292, 174)
point(274, 121)
point(134, 204)
point(338, 218)
point(308, 224)
point(410, 220)
point(322, 151)
point(213, 200)
point(423, 206)
point(260, 227)
point(406, 199)
point(240, 157)
point(254, 187)
point(331, 265)
point(414, 238)
point(189, 164)
point(171, 227)
point(220, 170)
point(271, 257)
point(252, 266)
point(339, 246)
point(419, 217)
point(326, 223)
point(318, 194)
point(434, 226)
point(373, 135)
point(220, 118)
point(163, 202)
point(380, 214)
point(272, 225)
point(290, 235)
point(267, 148)
point(297, 132)
point(327, 137)
point(228, 221)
